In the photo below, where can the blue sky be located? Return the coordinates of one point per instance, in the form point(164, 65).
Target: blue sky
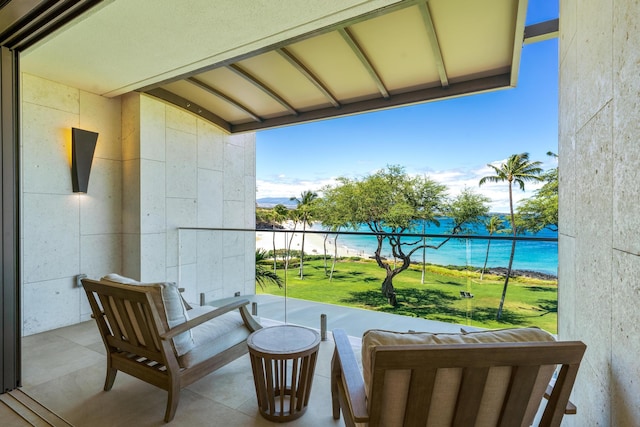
point(450, 141)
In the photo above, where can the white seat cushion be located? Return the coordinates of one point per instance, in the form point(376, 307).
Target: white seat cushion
point(173, 308)
point(213, 336)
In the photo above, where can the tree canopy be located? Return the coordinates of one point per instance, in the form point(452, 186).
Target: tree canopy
point(390, 203)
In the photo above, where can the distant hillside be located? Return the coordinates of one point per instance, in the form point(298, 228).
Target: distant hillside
point(269, 202)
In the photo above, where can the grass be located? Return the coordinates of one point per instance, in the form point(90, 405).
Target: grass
point(356, 283)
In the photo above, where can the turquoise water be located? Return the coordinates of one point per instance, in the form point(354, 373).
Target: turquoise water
point(530, 255)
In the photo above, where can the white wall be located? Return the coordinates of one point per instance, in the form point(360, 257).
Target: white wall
point(599, 172)
point(64, 234)
point(156, 168)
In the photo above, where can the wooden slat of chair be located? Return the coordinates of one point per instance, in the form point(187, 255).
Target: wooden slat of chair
point(560, 395)
point(471, 392)
point(475, 359)
point(421, 387)
point(127, 316)
point(346, 381)
point(521, 383)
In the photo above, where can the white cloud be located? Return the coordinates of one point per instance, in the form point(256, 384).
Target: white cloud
point(454, 179)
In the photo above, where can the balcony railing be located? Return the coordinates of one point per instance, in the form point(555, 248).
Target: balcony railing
point(447, 284)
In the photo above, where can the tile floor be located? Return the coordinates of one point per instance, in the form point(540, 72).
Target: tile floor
point(64, 370)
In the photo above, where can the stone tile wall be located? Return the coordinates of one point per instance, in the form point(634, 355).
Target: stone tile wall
point(156, 168)
point(599, 157)
point(190, 174)
point(65, 234)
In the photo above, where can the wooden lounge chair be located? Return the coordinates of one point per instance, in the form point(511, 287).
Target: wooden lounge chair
point(147, 334)
point(476, 379)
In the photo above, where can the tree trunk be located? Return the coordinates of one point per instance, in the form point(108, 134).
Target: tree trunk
point(486, 258)
point(304, 227)
point(275, 258)
point(513, 252)
point(424, 253)
point(324, 244)
point(335, 257)
point(387, 289)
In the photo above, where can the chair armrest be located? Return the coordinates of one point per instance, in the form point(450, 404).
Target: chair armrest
point(192, 323)
point(351, 376)
point(570, 408)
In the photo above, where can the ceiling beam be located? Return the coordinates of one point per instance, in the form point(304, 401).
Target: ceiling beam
point(435, 44)
point(357, 50)
point(185, 104)
point(420, 96)
point(541, 31)
point(298, 65)
point(224, 97)
point(399, 5)
point(518, 39)
point(25, 22)
point(263, 87)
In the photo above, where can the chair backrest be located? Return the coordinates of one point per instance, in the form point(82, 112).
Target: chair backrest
point(492, 384)
point(129, 319)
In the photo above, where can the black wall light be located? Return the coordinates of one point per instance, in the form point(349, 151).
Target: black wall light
point(83, 144)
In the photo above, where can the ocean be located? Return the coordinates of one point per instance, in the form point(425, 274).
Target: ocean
point(539, 256)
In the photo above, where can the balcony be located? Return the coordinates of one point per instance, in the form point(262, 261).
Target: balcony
point(64, 368)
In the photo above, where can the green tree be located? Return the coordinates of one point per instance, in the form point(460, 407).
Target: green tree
point(264, 275)
point(391, 203)
point(494, 224)
point(541, 210)
point(333, 211)
point(518, 169)
point(305, 207)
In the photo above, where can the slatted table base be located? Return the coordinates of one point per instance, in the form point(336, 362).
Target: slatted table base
point(283, 380)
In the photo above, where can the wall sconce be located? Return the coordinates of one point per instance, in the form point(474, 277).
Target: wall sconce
point(83, 145)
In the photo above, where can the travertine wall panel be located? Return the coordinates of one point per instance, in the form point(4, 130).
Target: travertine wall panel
point(51, 237)
point(568, 294)
point(66, 234)
point(625, 369)
point(46, 151)
point(626, 126)
point(50, 304)
point(594, 61)
point(181, 164)
point(204, 178)
point(599, 246)
point(152, 124)
point(567, 151)
point(210, 198)
point(101, 207)
point(210, 147)
point(152, 196)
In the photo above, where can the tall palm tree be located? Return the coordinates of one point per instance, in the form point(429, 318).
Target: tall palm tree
point(305, 207)
point(517, 169)
point(494, 224)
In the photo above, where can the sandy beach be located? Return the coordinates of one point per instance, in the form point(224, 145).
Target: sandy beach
point(313, 243)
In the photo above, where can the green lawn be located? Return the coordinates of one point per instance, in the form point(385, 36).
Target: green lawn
point(356, 283)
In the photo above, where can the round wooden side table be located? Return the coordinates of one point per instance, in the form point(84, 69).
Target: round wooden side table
point(283, 359)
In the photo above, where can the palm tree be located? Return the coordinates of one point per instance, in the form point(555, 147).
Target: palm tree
point(305, 206)
point(517, 169)
point(494, 224)
point(280, 214)
point(264, 275)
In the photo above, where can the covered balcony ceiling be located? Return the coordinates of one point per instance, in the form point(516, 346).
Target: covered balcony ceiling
point(400, 53)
